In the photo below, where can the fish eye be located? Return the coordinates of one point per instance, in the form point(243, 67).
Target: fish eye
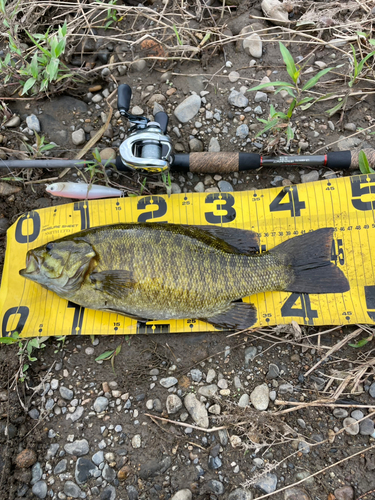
point(49, 247)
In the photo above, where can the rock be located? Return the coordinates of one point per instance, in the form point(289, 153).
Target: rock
point(109, 493)
point(173, 404)
point(183, 495)
point(344, 493)
point(225, 187)
point(108, 473)
point(260, 397)
point(188, 108)
point(366, 427)
point(242, 131)
point(352, 426)
point(66, 393)
point(40, 489)
point(357, 414)
point(72, 490)
point(215, 486)
point(84, 470)
point(371, 390)
point(107, 154)
point(303, 145)
point(196, 375)
point(139, 65)
point(244, 401)
point(98, 457)
point(215, 409)
point(137, 111)
point(240, 494)
point(52, 450)
point(233, 76)
point(312, 176)
point(252, 45)
point(258, 110)
point(79, 447)
point(237, 99)
point(211, 374)
point(214, 146)
point(60, 467)
point(168, 382)
point(214, 463)
point(260, 97)
point(36, 473)
point(78, 137)
point(351, 127)
point(97, 98)
point(285, 388)
point(154, 467)
point(250, 353)
point(304, 447)
point(345, 144)
point(208, 390)
point(13, 122)
point(267, 483)
point(132, 492)
point(33, 123)
point(100, 404)
point(175, 188)
point(197, 410)
point(76, 415)
point(124, 473)
point(195, 145)
point(276, 11)
point(273, 371)
point(136, 441)
point(199, 188)
point(25, 459)
point(156, 98)
point(320, 64)
point(296, 494)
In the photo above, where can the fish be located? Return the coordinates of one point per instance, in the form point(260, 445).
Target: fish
point(155, 271)
point(82, 191)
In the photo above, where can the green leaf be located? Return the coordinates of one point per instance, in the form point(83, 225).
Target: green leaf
point(364, 166)
point(289, 62)
point(105, 355)
point(25, 368)
point(314, 80)
point(361, 343)
point(7, 340)
point(305, 100)
point(45, 51)
point(28, 84)
point(34, 66)
point(177, 35)
point(118, 350)
point(6, 24)
point(63, 29)
point(289, 134)
point(361, 64)
point(271, 124)
point(60, 47)
point(272, 110)
point(291, 108)
point(336, 108)
point(53, 68)
point(371, 41)
point(274, 84)
point(44, 84)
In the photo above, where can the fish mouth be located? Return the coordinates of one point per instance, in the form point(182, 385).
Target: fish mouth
point(32, 265)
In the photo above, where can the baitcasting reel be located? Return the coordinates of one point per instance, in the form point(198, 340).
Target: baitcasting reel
point(147, 147)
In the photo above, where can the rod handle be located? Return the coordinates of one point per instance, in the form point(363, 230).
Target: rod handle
point(370, 154)
point(124, 94)
point(216, 163)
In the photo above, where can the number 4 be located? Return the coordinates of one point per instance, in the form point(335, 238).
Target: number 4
point(294, 205)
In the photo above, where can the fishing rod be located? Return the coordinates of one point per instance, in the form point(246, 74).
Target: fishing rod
point(147, 148)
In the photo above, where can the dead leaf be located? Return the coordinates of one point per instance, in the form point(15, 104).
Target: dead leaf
point(7, 189)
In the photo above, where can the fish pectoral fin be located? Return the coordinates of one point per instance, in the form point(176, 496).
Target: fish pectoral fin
point(239, 316)
point(115, 283)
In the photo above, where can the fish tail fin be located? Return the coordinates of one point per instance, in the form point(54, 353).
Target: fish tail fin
point(309, 255)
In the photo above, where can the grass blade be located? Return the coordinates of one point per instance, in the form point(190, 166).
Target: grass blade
point(314, 80)
point(289, 62)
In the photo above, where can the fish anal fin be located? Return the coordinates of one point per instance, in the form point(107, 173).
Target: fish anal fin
point(241, 240)
point(239, 316)
point(113, 282)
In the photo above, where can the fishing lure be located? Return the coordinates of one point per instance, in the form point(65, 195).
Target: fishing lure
point(82, 191)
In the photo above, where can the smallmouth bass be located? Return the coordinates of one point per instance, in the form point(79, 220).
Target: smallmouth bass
point(151, 271)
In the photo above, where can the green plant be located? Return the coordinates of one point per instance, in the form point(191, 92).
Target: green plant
point(111, 16)
point(279, 121)
point(364, 166)
point(110, 355)
point(166, 178)
point(363, 342)
point(179, 41)
point(40, 147)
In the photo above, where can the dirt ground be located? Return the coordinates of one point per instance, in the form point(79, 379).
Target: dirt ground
point(169, 459)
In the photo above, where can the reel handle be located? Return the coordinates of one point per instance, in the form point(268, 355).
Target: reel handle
point(124, 94)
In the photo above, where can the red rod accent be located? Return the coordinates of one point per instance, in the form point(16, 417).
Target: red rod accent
point(325, 160)
point(261, 160)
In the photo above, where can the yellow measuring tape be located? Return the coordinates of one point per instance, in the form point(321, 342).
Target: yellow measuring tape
point(277, 214)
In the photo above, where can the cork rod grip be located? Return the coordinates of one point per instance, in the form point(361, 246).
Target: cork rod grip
point(370, 155)
point(218, 163)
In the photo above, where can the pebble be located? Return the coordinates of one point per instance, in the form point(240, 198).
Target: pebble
point(33, 123)
point(331, 125)
point(84, 470)
point(320, 64)
point(296, 494)
point(195, 145)
point(60, 467)
point(311, 176)
point(98, 457)
point(36, 473)
point(136, 441)
point(175, 188)
point(78, 137)
point(211, 374)
point(286, 388)
point(273, 371)
point(173, 404)
point(168, 382)
point(237, 99)
point(40, 489)
point(233, 76)
point(137, 111)
point(196, 375)
point(260, 97)
point(215, 409)
point(13, 122)
point(303, 447)
point(344, 493)
point(139, 65)
point(208, 391)
point(258, 110)
point(350, 127)
point(352, 426)
point(25, 459)
point(250, 353)
point(196, 410)
point(242, 131)
point(214, 145)
point(79, 447)
point(184, 494)
point(260, 397)
point(371, 390)
point(66, 393)
point(252, 45)
point(240, 494)
point(225, 186)
point(34, 414)
point(347, 143)
point(72, 490)
point(271, 88)
point(340, 413)
point(76, 415)
point(199, 188)
point(267, 483)
point(52, 450)
point(366, 427)
point(108, 473)
point(109, 493)
point(216, 487)
point(357, 414)
point(100, 404)
point(276, 11)
point(188, 108)
point(244, 401)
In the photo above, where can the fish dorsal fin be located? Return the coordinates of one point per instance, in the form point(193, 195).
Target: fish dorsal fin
point(117, 283)
point(238, 316)
point(240, 240)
